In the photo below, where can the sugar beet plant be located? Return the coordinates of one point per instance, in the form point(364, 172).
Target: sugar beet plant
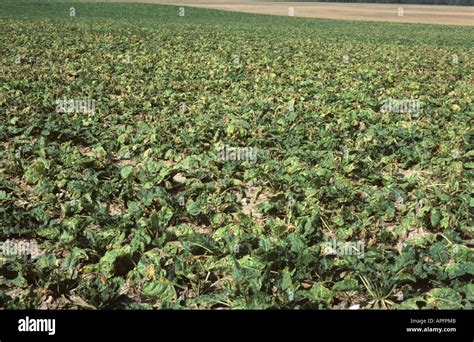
point(159, 157)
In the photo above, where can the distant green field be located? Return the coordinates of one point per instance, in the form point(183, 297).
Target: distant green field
point(346, 179)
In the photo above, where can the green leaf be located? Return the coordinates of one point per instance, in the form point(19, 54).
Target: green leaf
point(159, 220)
point(469, 290)
point(346, 284)
point(445, 299)
point(410, 304)
point(435, 218)
point(439, 252)
point(126, 171)
point(319, 293)
point(160, 290)
point(193, 208)
point(286, 283)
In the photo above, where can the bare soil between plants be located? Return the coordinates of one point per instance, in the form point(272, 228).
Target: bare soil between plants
point(423, 14)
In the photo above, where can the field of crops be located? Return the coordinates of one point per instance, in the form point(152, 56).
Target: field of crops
point(158, 157)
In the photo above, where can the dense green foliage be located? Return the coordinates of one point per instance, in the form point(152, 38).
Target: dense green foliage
point(132, 207)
